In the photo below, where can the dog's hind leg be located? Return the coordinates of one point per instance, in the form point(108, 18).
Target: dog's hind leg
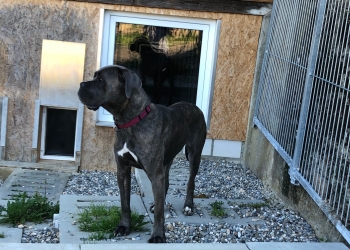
point(194, 157)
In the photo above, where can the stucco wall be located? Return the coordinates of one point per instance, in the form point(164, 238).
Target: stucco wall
point(24, 24)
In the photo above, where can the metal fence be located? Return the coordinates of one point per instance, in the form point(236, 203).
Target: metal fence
point(304, 96)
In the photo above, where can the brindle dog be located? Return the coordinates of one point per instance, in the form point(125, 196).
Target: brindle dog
point(148, 137)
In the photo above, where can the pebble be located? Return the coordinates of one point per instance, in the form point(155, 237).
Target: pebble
point(219, 179)
point(96, 183)
point(45, 235)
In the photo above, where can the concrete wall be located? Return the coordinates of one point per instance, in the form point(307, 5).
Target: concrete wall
point(260, 156)
point(24, 24)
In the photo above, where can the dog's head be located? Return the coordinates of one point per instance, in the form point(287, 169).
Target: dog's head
point(138, 43)
point(111, 86)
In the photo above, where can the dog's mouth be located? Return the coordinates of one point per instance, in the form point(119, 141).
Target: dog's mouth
point(92, 108)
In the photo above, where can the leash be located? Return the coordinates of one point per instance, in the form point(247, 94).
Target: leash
point(135, 120)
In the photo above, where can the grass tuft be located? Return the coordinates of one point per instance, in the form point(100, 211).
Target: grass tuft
point(24, 209)
point(217, 209)
point(101, 221)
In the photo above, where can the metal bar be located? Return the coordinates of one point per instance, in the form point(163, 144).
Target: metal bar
point(311, 12)
point(327, 211)
point(309, 138)
point(308, 146)
point(268, 86)
point(348, 138)
point(307, 90)
point(333, 197)
point(324, 73)
point(264, 64)
point(291, 15)
point(339, 131)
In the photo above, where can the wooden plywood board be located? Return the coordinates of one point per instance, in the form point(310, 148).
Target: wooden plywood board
point(234, 76)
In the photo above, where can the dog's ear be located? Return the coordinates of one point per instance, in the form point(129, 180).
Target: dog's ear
point(132, 81)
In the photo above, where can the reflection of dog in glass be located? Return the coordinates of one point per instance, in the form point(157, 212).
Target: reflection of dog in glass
point(155, 64)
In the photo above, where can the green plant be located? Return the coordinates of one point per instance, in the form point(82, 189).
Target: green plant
point(101, 221)
point(217, 209)
point(2, 235)
point(253, 205)
point(24, 208)
point(257, 205)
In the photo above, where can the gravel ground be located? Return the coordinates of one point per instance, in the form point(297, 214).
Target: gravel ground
point(218, 179)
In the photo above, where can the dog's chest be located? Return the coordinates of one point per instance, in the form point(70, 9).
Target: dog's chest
point(125, 151)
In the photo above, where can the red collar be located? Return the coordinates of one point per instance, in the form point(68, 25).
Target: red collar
point(138, 118)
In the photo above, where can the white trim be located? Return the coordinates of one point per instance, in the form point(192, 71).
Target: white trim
point(43, 135)
point(100, 38)
point(5, 102)
point(207, 66)
point(225, 148)
point(208, 147)
point(36, 124)
point(79, 128)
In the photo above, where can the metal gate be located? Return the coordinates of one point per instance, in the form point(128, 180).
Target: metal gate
point(304, 96)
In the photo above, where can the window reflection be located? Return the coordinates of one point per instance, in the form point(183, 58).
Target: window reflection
point(166, 59)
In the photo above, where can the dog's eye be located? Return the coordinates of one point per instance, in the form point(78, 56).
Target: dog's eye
point(100, 79)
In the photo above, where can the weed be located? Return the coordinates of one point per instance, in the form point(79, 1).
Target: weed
point(217, 209)
point(258, 205)
point(101, 221)
point(2, 235)
point(24, 208)
point(250, 205)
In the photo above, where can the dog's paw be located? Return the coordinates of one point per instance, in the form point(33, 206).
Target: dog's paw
point(156, 239)
point(151, 209)
point(187, 211)
point(121, 231)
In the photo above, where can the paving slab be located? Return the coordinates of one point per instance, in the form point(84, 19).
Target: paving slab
point(296, 246)
point(178, 178)
point(202, 214)
point(12, 234)
point(174, 246)
point(143, 182)
point(48, 183)
point(71, 205)
point(34, 246)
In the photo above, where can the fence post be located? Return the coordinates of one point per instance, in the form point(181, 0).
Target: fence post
point(307, 91)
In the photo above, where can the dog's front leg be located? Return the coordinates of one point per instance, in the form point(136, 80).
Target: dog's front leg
point(124, 182)
point(157, 179)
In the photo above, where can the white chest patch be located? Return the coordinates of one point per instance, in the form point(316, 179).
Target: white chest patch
point(125, 150)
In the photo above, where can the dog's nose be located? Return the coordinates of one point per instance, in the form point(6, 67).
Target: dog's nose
point(82, 84)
